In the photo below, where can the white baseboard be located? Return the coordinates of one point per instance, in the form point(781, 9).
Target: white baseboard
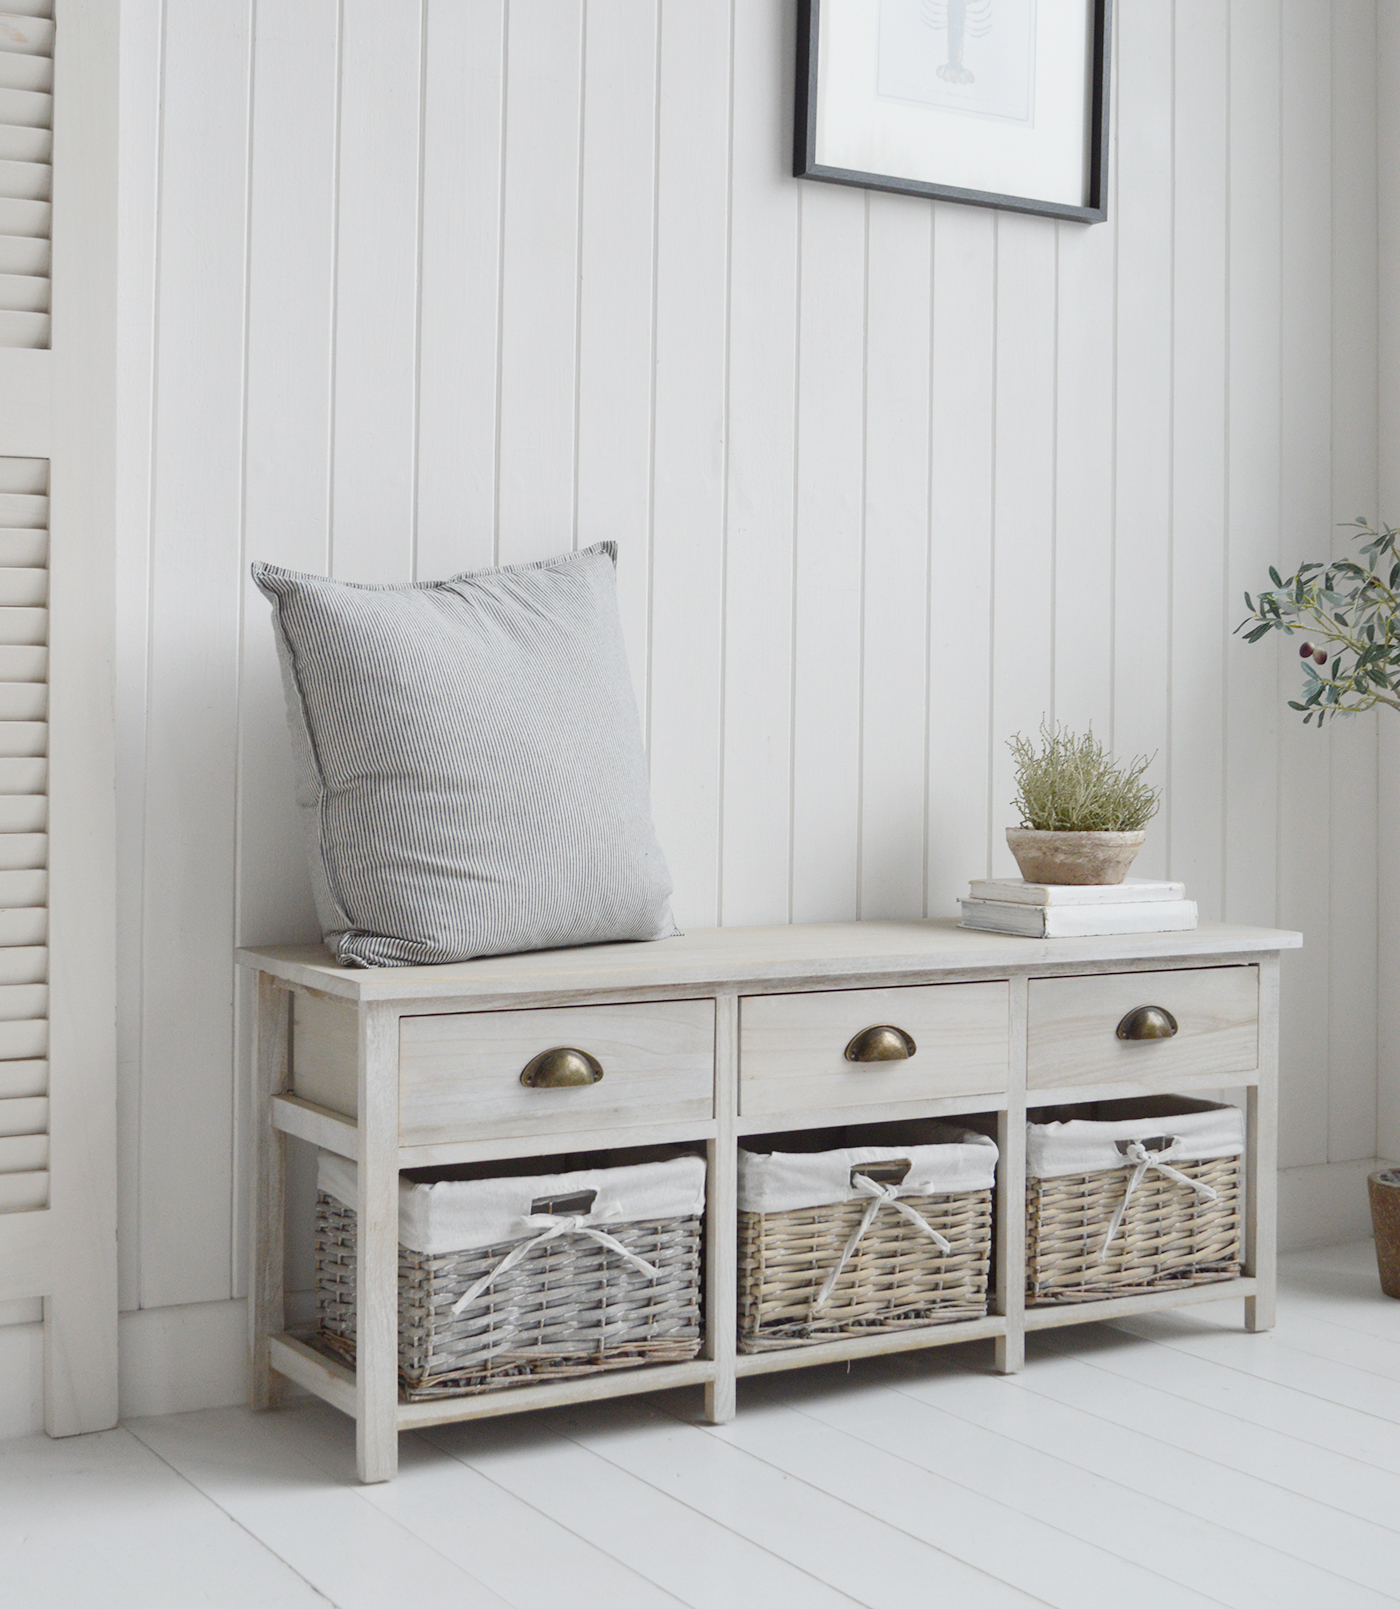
point(1324, 1205)
point(174, 1359)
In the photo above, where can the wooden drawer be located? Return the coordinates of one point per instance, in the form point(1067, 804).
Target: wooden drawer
point(1073, 1027)
point(792, 1047)
point(459, 1075)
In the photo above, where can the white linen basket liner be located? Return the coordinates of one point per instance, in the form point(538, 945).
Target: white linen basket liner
point(467, 1214)
point(1202, 1131)
point(787, 1181)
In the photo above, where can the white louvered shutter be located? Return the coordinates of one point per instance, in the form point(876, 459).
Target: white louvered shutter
point(24, 1029)
point(26, 144)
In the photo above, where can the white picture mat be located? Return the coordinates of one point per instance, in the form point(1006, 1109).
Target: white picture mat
point(1043, 157)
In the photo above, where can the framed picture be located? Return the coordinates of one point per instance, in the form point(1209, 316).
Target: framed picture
point(998, 103)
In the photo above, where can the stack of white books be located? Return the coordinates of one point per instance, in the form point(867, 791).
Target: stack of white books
point(1078, 911)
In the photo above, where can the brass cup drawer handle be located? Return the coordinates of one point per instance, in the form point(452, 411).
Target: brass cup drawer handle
point(561, 1068)
point(1148, 1022)
point(883, 1042)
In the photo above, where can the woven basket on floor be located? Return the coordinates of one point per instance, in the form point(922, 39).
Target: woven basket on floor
point(895, 1277)
point(1170, 1234)
point(570, 1306)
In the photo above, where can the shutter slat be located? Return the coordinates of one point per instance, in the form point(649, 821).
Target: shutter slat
point(22, 701)
point(19, 1079)
point(24, 963)
point(31, 73)
point(25, 34)
point(24, 1192)
point(24, 890)
point(20, 143)
point(24, 293)
point(24, 509)
point(20, 663)
point(24, 626)
point(26, 181)
point(24, 329)
point(23, 812)
point(23, 1002)
point(24, 254)
point(25, 108)
point(29, 1116)
point(27, 475)
point(23, 776)
point(23, 851)
point(28, 587)
point(24, 1153)
point(23, 550)
point(24, 926)
point(24, 739)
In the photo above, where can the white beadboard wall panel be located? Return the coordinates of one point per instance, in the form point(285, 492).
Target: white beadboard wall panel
point(1147, 114)
point(540, 279)
point(1388, 474)
point(1195, 750)
point(689, 441)
point(459, 285)
point(830, 495)
point(617, 265)
point(1351, 1109)
point(1250, 679)
point(894, 583)
point(759, 496)
point(375, 289)
point(959, 818)
point(1305, 826)
point(1023, 511)
point(196, 590)
point(417, 286)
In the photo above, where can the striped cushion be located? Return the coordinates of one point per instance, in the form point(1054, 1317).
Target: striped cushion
point(470, 762)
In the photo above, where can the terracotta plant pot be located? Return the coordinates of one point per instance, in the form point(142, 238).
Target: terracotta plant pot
point(1074, 857)
point(1385, 1220)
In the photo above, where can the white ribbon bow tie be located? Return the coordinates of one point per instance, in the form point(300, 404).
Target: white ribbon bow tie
point(884, 1195)
point(1141, 1159)
point(556, 1226)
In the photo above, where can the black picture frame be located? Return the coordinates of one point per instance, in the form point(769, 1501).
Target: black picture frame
point(806, 166)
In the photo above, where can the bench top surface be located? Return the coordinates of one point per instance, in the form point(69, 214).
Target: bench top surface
point(807, 952)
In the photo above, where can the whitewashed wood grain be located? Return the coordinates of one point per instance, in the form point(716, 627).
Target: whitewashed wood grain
point(376, 292)
point(962, 436)
point(1355, 801)
point(827, 556)
point(792, 1046)
point(1304, 803)
point(1142, 489)
point(540, 281)
point(459, 286)
point(616, 299)
point(759, 516)
point(460, 1075)
point(192, 711)
point(689, 443)
point(1073, 1024)
point(895, 581)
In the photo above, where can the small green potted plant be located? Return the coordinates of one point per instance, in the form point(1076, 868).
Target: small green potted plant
point(1083, 815)
point(1347, 613)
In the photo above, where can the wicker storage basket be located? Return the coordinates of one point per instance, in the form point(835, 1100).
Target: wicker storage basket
point(563, 1275)
point(1127, 1197)
point(847, 1241)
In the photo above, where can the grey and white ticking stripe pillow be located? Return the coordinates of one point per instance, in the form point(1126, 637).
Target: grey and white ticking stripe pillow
point(469, 762)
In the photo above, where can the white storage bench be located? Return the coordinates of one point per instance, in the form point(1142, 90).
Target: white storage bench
point(705, 1042)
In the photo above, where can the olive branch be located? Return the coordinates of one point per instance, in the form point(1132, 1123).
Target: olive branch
point(1352, 608)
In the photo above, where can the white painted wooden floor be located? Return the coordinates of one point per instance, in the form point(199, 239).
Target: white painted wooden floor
point(1172, 1462)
